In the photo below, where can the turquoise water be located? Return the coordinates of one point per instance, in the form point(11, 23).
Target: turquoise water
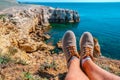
point(101, 19)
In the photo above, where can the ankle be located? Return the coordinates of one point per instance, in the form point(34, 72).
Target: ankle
point(85, 59)
point(73, 60)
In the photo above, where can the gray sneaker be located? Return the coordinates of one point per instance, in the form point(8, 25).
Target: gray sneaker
point(69, 45)
point(86, 45)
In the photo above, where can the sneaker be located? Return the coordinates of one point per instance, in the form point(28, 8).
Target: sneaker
point(86, 45)
point(69, 45)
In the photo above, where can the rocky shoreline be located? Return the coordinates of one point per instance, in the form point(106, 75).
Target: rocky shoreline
point(24, 55)
point(30, 22)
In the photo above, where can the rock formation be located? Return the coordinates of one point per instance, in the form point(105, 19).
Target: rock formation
point(62, 16)
point(45, 15)
point(29, 23)
point(59, 44)
point(23, 53)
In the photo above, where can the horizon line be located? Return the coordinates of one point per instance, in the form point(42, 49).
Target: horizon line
point(75, 1)
point(64, 2)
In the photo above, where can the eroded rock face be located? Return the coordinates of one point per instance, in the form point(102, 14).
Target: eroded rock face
point(24, 27)
point(44, 15)
point(97, 50)
point(22, 30)
point(63, 15)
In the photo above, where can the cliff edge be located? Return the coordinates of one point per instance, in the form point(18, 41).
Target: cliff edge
point(24, 55)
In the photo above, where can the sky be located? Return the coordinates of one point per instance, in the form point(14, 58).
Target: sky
point(68, 0)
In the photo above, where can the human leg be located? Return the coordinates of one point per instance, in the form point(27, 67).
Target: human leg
point(93, 71)
point(72, 57)
point(74, 70)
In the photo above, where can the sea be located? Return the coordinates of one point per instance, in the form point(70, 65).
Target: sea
point(100, 19)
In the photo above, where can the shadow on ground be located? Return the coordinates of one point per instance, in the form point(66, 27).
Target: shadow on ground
point(50, 76)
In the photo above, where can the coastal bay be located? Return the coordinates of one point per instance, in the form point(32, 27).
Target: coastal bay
point(28, 41)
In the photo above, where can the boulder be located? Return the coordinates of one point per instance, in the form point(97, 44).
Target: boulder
point(59, 44)
point(69, 16)
point(46, 36)
point(76, 17)
point(43, 46)
point(97, 50)
point(28, 48)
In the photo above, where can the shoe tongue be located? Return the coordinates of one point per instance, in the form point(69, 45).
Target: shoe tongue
point(72, 48)
point(88, 46)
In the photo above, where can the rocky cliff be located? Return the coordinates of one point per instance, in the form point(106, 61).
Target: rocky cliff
point(44, 14)
point(29, 23)
point(24, 55)
point(22, 36)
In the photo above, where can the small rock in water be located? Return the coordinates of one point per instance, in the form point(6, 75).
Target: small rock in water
point(59, 44)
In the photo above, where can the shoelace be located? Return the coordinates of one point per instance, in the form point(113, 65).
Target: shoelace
point(72, 52)
point(87, 51)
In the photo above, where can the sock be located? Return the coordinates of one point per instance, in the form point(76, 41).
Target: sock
point(85, 59)
point(73, 57)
